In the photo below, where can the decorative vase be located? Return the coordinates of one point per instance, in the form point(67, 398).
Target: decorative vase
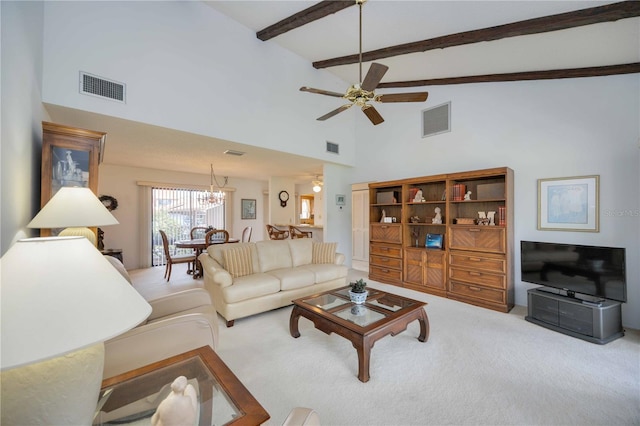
point(358, 298)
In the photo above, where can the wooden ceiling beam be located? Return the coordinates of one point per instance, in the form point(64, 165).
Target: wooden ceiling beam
point(310, 14)
point(594, 15)
point(521, 76)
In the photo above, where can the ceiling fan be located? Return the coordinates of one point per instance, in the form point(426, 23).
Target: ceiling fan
point(362, 93)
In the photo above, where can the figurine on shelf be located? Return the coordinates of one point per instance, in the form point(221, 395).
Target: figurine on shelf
point(492, 218)
point(467, 196)
point(384, 215)
point(418, 198)
point(179, 407)
point(438, 218)
point(414, 219)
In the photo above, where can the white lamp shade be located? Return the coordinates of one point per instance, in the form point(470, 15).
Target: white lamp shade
point(59, 294)
point(73, 207)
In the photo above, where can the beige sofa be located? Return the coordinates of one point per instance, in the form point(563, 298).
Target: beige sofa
point(248, 278)
point(180, 320)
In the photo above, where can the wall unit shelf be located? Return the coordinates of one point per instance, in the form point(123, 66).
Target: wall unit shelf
point(475, 262)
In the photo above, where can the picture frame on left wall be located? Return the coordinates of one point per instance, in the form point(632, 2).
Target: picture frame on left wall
point(248, 209)
point(70, 157)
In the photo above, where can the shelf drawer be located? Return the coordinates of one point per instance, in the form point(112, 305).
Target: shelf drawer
point(497, 264)
point(385, 262)
point(387, 250)
point(385, 274)
point(477, 277)
point(483, 238)
point(386, 232)
point(477, 292)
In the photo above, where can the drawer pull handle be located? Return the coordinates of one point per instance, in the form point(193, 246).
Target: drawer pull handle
point(384, 248)
point(384, 227)
point(385, 270)
point(475, 288)
point(474, 229)
point(475, 259)
point(384, 259)
point(475, 274)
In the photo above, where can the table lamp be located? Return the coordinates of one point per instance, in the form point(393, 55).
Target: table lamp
point(74, 208)
point(60, 300)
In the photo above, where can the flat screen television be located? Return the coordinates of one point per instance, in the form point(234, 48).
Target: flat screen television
point(599, 272)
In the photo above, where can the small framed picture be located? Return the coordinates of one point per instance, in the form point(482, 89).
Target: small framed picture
point(568, 204)
point(340, 199)
point(248, 209)
point(434, 241)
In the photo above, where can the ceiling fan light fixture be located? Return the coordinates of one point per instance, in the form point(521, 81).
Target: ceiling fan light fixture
point(317, 185)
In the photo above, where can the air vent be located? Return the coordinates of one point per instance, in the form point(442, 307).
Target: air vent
point(436, 120)
point(101, 87)
point(236, 153)
point(333, 147)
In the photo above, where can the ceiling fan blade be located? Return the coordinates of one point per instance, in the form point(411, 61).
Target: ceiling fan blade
point(403, 97)
point(373, 77)
point(372, 114)
point(334, 112)
point(321, 92)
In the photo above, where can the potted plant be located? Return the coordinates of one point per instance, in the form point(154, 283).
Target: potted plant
point(357, 292)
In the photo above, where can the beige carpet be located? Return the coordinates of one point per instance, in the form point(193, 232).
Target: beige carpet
point(479, 367)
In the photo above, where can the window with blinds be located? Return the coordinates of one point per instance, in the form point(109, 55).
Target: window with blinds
point(175, 211)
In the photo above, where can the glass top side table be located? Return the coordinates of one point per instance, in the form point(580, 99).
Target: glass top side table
point(132, 397)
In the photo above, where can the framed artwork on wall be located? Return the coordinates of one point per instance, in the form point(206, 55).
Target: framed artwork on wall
point(248, 209)
point(569, 204)
point(70, 157)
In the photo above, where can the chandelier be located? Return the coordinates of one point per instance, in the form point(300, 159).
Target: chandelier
point(217, 196)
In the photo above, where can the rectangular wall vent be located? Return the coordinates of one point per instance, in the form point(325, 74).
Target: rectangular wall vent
point(333, 147)
point(233, 152)
point(436, 120)
point(101, 87)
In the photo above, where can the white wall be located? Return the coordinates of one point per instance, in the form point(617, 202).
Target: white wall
point(188, 67)
point(121, 183)
point(21, 116)
point(541, 129)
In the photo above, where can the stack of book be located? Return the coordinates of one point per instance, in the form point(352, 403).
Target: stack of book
point(459, 190)
point(502, 216)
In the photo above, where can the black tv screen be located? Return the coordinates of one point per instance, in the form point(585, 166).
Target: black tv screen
point(590, 270)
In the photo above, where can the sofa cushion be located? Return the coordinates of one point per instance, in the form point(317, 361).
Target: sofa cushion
point(216, 252)
point(326, 272)
point(301, 251)
point(250, 287)
point(273, 255)
point(294, 278)
point(324, 252)
point(238, 262)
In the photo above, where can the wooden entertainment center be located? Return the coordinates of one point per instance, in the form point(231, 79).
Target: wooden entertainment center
point(474, 264)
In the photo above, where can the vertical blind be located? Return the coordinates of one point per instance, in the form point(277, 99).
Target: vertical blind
point(175, 211)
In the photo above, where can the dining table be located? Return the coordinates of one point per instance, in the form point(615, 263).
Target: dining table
point(199, 245)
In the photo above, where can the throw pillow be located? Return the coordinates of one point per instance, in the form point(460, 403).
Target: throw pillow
point(238, 262)
point(324, 252)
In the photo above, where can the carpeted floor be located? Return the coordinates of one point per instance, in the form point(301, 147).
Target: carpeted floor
point(479, 367)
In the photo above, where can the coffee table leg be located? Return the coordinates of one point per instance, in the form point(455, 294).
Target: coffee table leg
point(293, 322)
point(424, 326)
point(363, 348)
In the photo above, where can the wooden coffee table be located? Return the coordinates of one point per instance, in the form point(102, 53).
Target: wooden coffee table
point(363, 325)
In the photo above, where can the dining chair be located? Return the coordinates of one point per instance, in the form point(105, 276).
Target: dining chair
point(246, 234)
point(200, 231)
point(216, 236)
point(171, 259)
point(298, 233)
point(277, 234)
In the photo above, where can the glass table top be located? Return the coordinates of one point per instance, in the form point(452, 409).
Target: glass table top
point(117, 406)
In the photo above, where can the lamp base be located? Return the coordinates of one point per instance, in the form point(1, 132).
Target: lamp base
point(79, 232)
point(59, 391)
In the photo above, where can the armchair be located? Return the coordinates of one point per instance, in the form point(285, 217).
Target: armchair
point(179, 322)
point(276, 234)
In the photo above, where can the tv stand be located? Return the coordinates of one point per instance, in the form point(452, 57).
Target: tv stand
point(596, 323)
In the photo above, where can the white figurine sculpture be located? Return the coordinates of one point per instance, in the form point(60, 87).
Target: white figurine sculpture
point(179, 408)
point(467, 196)
point(384, 215)
point(438, 218)
point(418, 198)
point(492, 217)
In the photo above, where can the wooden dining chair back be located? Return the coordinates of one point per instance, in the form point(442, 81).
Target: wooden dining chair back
point(246, 234)
point(216, 236)
point(298, 233)
point(171, 259)
point(200, 231)
point(277, 234)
